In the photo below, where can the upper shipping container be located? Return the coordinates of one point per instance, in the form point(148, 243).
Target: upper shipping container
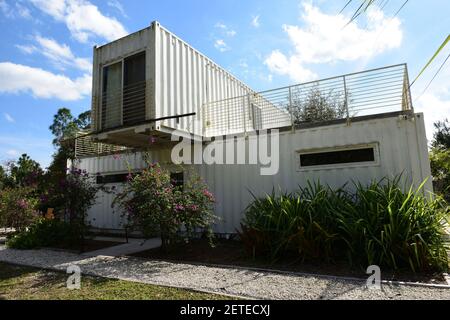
point(152, 81)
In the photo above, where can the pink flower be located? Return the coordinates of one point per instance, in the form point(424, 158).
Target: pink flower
point(152, 140)
point(209, 195)
point(116, 156)
point(22, 203)
point(179, 207)
point(194, 207)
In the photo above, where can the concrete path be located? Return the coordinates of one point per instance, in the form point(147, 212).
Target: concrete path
point(234, 281)
point(133, 246)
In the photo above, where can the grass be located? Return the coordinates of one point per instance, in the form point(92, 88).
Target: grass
point(27, 283)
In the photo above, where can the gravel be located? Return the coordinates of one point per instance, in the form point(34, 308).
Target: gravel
point(233, 281)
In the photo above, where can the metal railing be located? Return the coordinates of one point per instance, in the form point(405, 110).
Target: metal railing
point(123, 107)
point(85, 146)
point(369, 92)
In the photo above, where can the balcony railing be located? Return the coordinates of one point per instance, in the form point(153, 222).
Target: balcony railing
point(369, 92)
point(85, 146)
point(123, 107)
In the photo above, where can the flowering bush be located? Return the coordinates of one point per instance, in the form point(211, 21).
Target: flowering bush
point(17, 208)
point(153, 204)
point(71, 196)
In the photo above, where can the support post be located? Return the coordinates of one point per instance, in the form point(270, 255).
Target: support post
point(291, 111)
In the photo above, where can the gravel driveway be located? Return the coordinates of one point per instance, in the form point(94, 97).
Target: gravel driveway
point(240, 282)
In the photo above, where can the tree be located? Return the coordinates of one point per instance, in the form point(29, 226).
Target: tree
point(64, 128)
point(442, 134)
point(440, 158)
point(25, 172)
point(317, 106)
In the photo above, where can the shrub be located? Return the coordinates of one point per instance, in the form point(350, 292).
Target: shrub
point(17, 208)
point(390, 227)
point(301, 223)
point(378, 224)
point(76, 194)
point(152, 204)
point(44, 233)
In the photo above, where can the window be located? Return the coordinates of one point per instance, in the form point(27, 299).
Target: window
point(177, 179)
point(112, 178)
point(332, 157)
point(123, 92)
point(112, 96)
point(134, 89)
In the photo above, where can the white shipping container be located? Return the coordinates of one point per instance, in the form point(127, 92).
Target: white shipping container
point(178, 81)
point(399, 143)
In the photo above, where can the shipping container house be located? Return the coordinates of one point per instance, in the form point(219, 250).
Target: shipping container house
point(356, 127)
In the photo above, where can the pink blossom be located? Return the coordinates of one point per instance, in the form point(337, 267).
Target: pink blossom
point(179, 207)
point(22, 203)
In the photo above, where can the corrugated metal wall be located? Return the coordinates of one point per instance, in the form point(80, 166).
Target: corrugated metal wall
point(115, 51)
point(185, 79)
point(401, 145)
point(179, 78)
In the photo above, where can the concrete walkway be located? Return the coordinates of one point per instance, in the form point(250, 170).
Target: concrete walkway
point(234, 281)
point(133, 246)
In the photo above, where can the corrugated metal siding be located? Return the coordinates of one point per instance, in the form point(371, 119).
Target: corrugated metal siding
point(179, 78)
point(185, 79)
point(401, 149)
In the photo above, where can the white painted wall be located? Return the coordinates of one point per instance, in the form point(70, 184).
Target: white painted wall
point(401, 145)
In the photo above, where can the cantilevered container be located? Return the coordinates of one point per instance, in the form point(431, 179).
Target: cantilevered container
point(151, 83)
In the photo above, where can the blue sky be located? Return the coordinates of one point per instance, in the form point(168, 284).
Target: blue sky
point(46, 50)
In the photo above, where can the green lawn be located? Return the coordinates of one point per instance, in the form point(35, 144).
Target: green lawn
point(24, 283)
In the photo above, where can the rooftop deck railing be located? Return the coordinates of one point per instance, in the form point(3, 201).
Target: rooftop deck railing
point(369, 92)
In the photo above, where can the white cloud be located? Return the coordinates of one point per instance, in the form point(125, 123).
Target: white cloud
point(221, 45)
point(9, 118)
point(324, 39)
point(225, 29)
point(61, 54)
point(255, 21)
point(55, 8)
point(83, 19)
point(17, 78)
point(292, 66)
point(27, 49)
point(14, 11)
point(118, 6)
point(435, 102)
point(12, 153)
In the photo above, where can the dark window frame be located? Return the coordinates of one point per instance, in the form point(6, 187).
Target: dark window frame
point(339, 157)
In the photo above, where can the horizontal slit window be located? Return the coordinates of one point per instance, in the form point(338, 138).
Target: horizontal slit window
point(337, 157)
point(112, 178)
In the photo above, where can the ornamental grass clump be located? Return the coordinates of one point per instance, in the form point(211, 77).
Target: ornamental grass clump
point(379, 224)
point(388, 226)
